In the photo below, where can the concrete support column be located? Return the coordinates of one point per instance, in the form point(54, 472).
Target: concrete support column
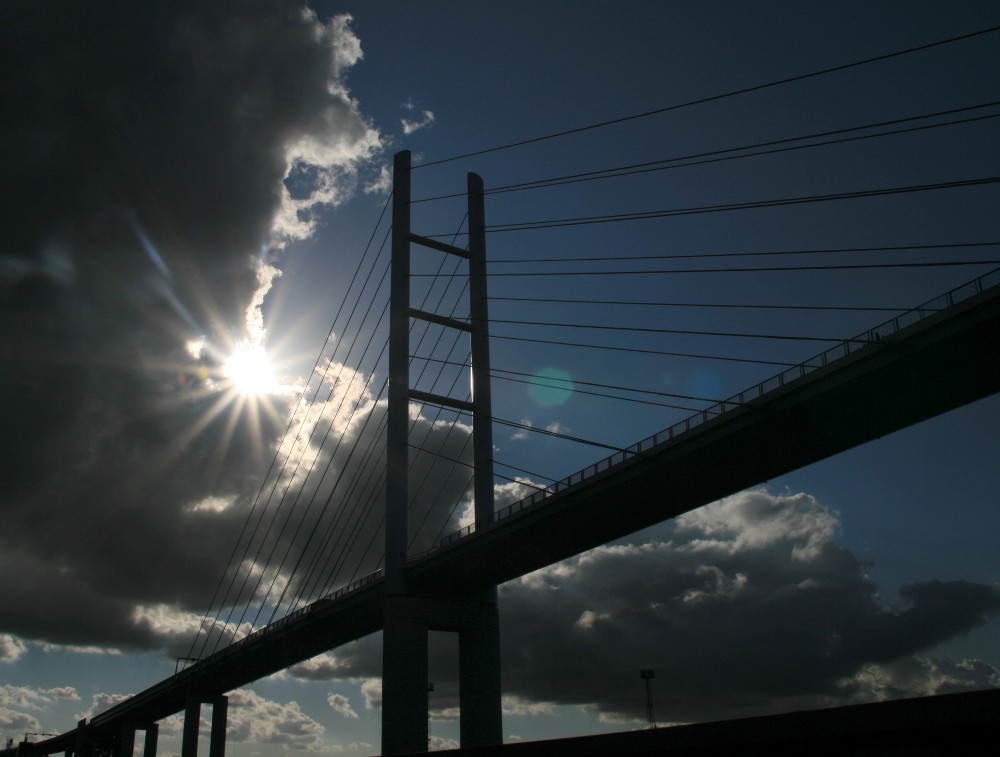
point(220, 718)
point(126, 741)
point(398, 414)
point(192, 723)
point(479, 680)
point(149, 744)
point(80, 742)
point(404, 678)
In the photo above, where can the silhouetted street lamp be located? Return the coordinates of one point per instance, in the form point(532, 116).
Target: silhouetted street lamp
point(648, 674)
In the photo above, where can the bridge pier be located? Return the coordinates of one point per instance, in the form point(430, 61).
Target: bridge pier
point(192, 725)
point(404, 677)
point(481, 722)
point(220, 719)
point(149, 743)
point(126, 740)
point(406, 623)
point(81, 744)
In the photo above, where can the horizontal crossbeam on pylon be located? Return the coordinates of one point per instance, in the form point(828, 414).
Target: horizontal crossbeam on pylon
point(441, 320)
point(440, 246)
point(437, 399)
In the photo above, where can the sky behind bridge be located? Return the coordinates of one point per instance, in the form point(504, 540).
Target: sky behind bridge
point(175, 169)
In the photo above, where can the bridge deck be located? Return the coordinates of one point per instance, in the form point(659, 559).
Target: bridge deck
point(900, 377)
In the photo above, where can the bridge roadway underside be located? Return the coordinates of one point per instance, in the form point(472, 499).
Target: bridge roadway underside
point(941, 363)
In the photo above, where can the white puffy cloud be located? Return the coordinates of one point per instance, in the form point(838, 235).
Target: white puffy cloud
point(371, 690)
point(921, 676)
point(320, 668)
point(13, 723)
point(33, 698)
point(101, 702)
point(514, 491)
point(424, 121)
point(342, 706)
point(382, 183)
point(522, 434)
point(427, 119)
point(255, 719)
point(11, 648)
point(518, 707)
point(438, 743)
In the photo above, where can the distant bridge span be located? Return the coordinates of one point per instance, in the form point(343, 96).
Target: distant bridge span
point(926, 362)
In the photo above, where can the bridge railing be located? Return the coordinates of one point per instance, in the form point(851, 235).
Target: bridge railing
point(839, 351)
point(323, 601)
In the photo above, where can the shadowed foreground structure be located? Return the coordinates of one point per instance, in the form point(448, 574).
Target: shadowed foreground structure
point(941, 725)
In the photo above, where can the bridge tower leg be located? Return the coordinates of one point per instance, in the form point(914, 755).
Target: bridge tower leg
point(479, 645)
point(408, 617)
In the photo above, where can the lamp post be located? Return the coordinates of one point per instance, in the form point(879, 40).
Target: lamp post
point(648, 674)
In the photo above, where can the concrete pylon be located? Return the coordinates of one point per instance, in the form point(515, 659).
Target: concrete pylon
point(407, 618)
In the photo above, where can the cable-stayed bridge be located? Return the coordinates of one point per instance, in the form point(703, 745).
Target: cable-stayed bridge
point(924, 361)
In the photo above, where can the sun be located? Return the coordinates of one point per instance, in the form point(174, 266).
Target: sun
point(249, 370)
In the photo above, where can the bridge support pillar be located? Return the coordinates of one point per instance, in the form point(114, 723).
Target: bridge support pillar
point(404, 677)
point(406, 622)
point(81, 744)
point(479, 680)
point(192, 723)
point(192, 726)
point(149, 744)
point(126, 740)
point(220, 718)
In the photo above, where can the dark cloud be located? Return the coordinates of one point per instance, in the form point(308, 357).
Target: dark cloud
point(743, 607)
point(316, 533)
point(747, 605)
point(144, 147)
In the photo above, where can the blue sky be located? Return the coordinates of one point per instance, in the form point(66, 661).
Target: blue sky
point(156, 159)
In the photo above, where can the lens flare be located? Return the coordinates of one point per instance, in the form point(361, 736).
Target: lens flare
point(551, 387)
point(249, 370)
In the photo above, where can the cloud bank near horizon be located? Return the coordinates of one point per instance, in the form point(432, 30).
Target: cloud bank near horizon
point(745, 606)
